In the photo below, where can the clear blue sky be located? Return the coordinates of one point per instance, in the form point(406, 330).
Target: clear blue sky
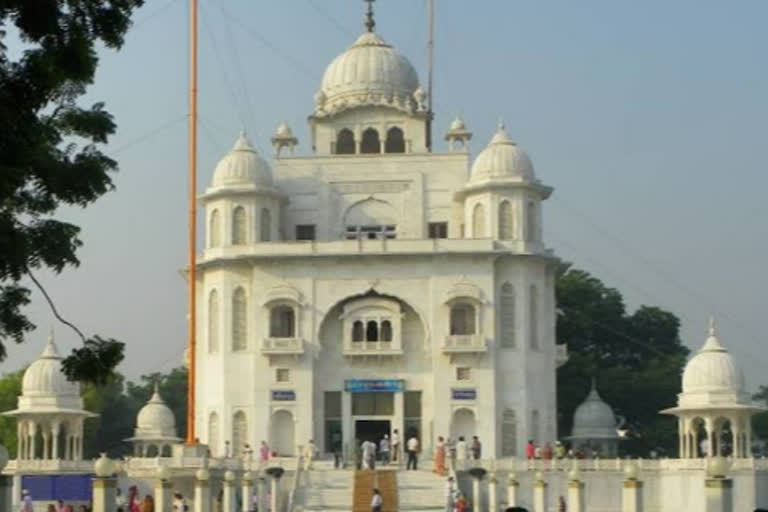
point(649, 119)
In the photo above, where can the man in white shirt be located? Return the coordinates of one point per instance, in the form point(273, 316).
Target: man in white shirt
point(395, 446)
point(369, 455)
point(413, 450)
point(461, 453)
point(376, 502)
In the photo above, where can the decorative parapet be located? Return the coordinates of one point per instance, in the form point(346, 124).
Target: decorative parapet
point(464, 343)
point(282, 346)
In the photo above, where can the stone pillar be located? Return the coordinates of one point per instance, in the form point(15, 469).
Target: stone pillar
point(32, 440)
point(228, 498)
point(55, 434)
point(748, 439)
point(476, 498)
point(247, 490)
point(512, 488)
point(493, 496)
point(262, 493)
point(718, 495)
point(398, 419)
point(104, 491)
point(632, 496)
point(20, 443)
point(274, 492)
point(202, 491)
point(736, 440)
point(540, 502)
point(347, 428)
point(576, 496)
point(163, 498)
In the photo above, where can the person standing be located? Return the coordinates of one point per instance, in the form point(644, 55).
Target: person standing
point(559, 450)
point(264, 453)
point(148, 505)
point(476, 448)
point(395, 446)
point(461, 453)
point(412, 446)
point(376, 501)
point(309, 454)
point(179, 503)
point(133, 499)
point(358, 454)
point(26, 503)
point(530, 450)
point(369, 455)
point(439, 463)
point(449, 490)
point(384, 450)
point(227, 449)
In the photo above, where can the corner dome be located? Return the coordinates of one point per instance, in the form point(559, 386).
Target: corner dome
point(156, 418)
point(713, 370)
point(242, 166)
point(370, 72)
point(45, 378)
point(594, 419)
point(502, 159)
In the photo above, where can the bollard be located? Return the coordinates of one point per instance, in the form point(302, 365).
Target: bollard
point(632, 493)
point(104, 485)
point(540, 502)
point(718, 489)
point(512, 487)
point(263, 493)
point(275, 472)
point(202, 490)
point(477, 475)
point(163, 499)
point(493, 499)
point(228, 497)
point(247, 491)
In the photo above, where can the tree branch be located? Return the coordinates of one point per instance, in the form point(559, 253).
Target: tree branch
point(53, 306)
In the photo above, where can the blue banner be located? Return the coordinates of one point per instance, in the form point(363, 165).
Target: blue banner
point(283, 395)
point(464, 394)
point(59, 487)
point(374, 385)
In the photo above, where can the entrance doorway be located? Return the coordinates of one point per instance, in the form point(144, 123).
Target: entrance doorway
point(371, 430)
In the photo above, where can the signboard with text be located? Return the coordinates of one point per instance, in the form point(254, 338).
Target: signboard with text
point(464, 394)
point(283, 395)
point(374, 385)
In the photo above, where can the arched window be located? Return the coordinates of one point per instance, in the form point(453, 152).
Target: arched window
point(372, 331)
point(239, 433)
point(239, 320)
point(213, 433)
point(533, 317)
point(462, 319)
point(345, 142)
point(535, 426)
point(506, 221)
point(213, 322)
point(508, 433)
point(214, 230)
point(370, 143)
point(395, 142)
point(386, 330)
point(507, 313)
point(238, 226)
point(530, 222)
point(478, 221)
point(357, 331)
point(266, 225)
point(282, 322)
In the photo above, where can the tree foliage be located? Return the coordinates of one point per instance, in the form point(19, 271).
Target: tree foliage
point(636, 357)
point(760, 420)
point(49, 155)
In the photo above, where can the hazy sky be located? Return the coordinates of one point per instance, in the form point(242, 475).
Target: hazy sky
point(649, 119)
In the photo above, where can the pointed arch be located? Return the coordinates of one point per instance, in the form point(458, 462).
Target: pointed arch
point(509, 433)
point(345, 142)
point(535, 426)
point(265, 225)
point(478, 221)
point(370, 142)
point(239, 228)
point(506, 221)
point(507, 314)
point(395, 142)
point(239, 320)
point(239, 433)
point(213, 322)
point(213, 433)
point(531, 222)
point(533, 316)
point(214, 229)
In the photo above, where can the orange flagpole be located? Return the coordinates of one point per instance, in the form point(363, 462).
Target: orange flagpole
point(191, 438)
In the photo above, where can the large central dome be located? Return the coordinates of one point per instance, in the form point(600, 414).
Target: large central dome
point(369, 72)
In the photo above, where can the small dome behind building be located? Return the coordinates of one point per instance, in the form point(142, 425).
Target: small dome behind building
point(594, 425)
point(242, 166)
point(501, 160)
point(155, 428)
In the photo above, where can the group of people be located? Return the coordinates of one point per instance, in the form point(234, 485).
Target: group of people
point(455, 452)
point(533, 451)
point(367, 452)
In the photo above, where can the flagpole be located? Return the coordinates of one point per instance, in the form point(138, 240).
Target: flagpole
point(430, 64)
point(192, 283)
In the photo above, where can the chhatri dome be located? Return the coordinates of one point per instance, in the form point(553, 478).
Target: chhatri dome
point(155, 428)
point(594, 425)
point(501, 160)
point(242, 166)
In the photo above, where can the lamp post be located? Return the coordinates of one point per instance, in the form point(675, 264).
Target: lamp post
point(632, 493)
point(512, 487)
point(247, 490)
point(202, 490)
point(576, 496)
point(540, 503)
point(718, 488)
point(275, 472)
point(163, 501)
point(228, 499)
point(477, 475)
point(104, 484)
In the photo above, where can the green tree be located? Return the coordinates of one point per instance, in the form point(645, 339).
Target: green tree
point(637, 358)
point(10, 389)
point(117, 417)
point(49, 155)
point(760, 420)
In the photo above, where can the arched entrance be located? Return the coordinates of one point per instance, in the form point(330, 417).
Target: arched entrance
point(463, 424)
point(282, 436)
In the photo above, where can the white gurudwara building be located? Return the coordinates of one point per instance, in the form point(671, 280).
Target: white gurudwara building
point(375, 284)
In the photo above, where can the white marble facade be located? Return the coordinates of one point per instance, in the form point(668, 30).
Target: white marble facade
point(374, 258)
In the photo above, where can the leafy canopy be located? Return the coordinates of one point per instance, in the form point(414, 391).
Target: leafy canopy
point(49, 155)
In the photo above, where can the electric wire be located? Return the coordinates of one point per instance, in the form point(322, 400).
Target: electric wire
point(333, 21)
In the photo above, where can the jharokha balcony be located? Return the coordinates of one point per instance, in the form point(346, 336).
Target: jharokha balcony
point(464, 343)
point(282, 346)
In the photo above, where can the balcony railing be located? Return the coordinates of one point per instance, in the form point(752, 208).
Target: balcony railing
point(368, 348)
point(281, 346)
point(460, 343)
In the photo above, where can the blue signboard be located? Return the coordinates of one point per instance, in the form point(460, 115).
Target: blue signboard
point(374, 385)
point(59, 487)
point(464, 394)
point(283, 395)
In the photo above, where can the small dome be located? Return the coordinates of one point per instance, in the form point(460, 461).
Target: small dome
point(369, 72)
point(242, 166)
point(713, 370)
point(594, 418)
point(501, 159)
point(45, 377)
point(457, 124)
point(156, 418)
point(283, 130)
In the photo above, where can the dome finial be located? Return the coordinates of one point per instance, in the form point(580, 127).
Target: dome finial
point(500, 125)
point(50, 335)
point(369, 23)
point(712, 327)
point(712, 343)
